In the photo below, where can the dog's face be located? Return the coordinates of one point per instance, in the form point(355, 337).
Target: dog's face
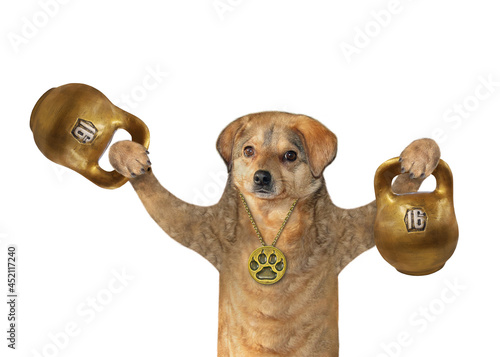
point(273, 155)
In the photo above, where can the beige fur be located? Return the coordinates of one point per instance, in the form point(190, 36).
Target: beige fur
point(298, 316)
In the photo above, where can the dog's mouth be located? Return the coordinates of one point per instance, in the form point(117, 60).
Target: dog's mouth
point(263, 192)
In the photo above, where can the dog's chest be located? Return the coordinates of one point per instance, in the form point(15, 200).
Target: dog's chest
point(284, 315)
point(296, 315)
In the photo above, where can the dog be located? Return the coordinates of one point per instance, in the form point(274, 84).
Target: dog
point(273, 159)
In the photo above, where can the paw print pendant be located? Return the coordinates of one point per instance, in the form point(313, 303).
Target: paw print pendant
point(267, 265)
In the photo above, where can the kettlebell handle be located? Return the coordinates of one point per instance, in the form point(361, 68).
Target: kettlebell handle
point(392, 168)
point(139, 133)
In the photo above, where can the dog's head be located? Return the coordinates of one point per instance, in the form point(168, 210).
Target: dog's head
point(276, 155)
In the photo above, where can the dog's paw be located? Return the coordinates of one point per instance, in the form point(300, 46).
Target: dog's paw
point(420, 158)
point(129, 158)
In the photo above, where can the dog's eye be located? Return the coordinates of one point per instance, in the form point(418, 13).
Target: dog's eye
point(290, 156)
point(249, 151)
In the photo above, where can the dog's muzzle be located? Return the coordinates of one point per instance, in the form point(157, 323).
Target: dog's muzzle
point(263, 181)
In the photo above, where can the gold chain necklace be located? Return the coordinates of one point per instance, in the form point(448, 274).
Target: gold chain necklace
point(267, 264)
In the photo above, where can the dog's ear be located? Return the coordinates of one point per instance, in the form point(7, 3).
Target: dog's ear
point(320, 143)
point(227, 137)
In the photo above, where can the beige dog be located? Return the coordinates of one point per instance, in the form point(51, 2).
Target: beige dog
point(273, 158)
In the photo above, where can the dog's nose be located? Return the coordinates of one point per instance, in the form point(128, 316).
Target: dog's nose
point(262, 178)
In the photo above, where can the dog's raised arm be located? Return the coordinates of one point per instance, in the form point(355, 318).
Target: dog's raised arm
point(192, 226)
point(418, 161)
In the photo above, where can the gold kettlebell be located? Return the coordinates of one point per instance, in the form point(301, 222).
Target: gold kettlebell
point(73, 125)
point(415, 232)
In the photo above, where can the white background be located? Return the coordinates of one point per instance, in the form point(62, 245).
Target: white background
point(405, 81)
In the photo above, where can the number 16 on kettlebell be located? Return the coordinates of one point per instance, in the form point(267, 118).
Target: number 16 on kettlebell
point(415, 232)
